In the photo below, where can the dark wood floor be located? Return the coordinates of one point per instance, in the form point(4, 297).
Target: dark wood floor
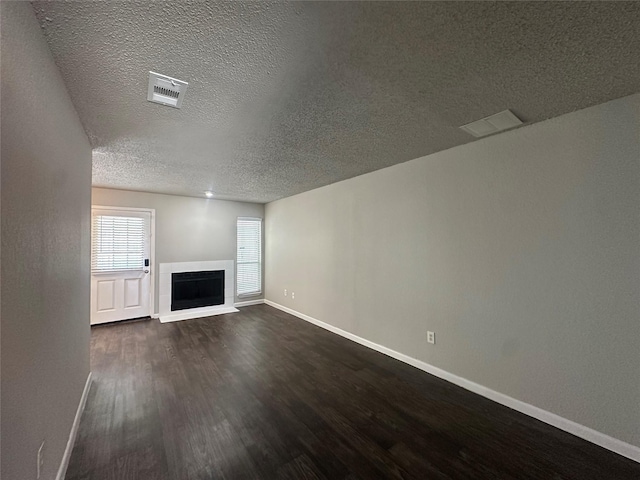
point(262, 394)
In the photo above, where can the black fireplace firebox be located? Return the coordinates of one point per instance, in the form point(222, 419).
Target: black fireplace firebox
point(197, 289)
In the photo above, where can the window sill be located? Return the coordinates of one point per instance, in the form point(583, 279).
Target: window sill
point(111, 272)
point(252, 294)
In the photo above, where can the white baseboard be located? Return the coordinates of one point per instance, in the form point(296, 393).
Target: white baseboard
point(249, 302)
point(155, 315)
point(589, 434)
point(62, 471)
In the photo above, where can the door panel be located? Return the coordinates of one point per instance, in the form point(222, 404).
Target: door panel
point(106, 295)
point(132, 292)
point(120, 291)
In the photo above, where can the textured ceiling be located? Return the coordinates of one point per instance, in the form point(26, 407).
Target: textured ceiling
point(286, 97)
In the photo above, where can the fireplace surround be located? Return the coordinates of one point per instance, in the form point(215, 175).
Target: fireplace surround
point(165, 300)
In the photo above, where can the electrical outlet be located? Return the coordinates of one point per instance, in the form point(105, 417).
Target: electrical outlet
point(40, 459)
point(285, 292)
point(431, 337)
point(293, 295)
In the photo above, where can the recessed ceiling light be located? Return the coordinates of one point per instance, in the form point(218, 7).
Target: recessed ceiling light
point(493, 124)
point(209, 194)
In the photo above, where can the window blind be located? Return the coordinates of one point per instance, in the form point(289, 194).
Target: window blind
point(249, 256)
point(117, 243)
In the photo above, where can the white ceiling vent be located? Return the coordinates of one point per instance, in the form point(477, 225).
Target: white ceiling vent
point(495, 123)
point(166, 90)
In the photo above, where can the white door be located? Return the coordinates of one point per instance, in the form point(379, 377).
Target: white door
point(120, 264)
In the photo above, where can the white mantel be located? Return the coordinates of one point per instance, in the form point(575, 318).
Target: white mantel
point(164, 290)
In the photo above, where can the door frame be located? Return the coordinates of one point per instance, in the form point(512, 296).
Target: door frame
point(152, 249)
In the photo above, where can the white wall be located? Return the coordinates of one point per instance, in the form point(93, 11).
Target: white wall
point(521, 251)
point(46, 198)
point(187, 229)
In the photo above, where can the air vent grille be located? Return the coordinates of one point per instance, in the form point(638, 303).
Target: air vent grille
point(492, 124)
point(166, 90)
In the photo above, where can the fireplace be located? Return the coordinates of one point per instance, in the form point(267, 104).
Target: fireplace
point(197, 289)
point(167, 311)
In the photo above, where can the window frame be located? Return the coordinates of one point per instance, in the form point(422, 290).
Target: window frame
point(259, 262)
point(146, 230)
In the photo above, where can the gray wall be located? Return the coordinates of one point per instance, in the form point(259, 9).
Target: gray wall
point(46, 198)
point(521, 251)
point(187, 229)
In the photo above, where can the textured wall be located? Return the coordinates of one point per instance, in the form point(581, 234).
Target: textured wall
point(187, 229)
point(46, 197)
point(521, 251)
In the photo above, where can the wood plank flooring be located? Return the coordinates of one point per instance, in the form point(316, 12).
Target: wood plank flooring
point(262, 394)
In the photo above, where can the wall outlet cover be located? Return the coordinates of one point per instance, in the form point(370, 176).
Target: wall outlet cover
point(431, 337)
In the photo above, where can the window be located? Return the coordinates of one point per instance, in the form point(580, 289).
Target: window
point(117, 243)
point(249, 256)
